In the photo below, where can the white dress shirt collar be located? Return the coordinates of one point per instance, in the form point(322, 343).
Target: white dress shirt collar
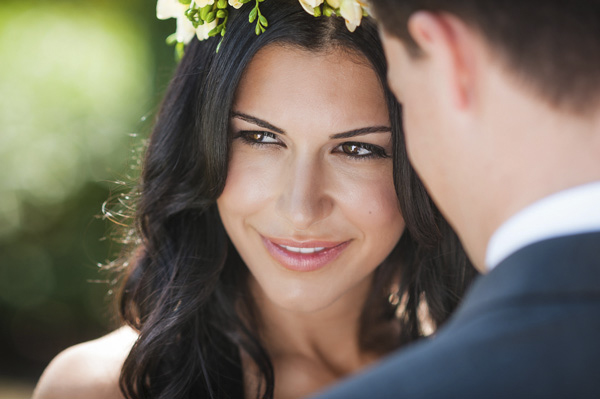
point(572, 211)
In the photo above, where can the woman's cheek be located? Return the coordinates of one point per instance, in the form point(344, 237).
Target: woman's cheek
point(249, 179)
point(370, 188)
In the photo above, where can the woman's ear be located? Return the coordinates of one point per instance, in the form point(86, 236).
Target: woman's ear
point(447, 43)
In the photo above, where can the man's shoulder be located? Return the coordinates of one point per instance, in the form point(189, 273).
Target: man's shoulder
point(89, 370)
point(509, 352)
point(528, 329)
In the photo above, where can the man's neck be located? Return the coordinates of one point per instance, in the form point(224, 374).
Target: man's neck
point(539, 153)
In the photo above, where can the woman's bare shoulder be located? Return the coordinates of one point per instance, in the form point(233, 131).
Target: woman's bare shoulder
point(88, 370)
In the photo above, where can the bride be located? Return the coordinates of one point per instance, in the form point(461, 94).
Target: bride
point(284, 239)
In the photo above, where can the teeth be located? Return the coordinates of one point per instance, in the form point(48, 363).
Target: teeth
point(302, 250)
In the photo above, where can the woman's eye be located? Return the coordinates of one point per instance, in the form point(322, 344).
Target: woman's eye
point(355, 149)
point(361, 150)
point(256, 137)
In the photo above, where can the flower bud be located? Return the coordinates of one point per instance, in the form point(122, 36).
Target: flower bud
point(204, 12)
point(253, 14)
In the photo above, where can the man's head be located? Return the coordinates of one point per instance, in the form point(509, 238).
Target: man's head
point(552, 44)
point(501, 101)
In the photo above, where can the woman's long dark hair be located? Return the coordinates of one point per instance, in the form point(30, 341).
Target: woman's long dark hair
point(185, 291)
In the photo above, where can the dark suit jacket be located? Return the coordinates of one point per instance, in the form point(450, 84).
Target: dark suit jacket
point(528, 329)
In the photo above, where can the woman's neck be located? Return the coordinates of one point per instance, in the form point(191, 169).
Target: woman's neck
point(329, 337)
point(308, 350)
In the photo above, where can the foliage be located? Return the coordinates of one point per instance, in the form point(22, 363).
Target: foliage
point(75, 78)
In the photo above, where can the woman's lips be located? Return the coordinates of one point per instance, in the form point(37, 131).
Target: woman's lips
point(304, 256)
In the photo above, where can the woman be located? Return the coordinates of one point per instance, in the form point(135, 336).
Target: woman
point(285, 239)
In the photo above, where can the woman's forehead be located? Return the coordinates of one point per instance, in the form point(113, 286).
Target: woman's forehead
point(289, 85)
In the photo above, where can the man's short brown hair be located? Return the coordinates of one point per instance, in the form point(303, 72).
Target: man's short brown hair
point(553, 46)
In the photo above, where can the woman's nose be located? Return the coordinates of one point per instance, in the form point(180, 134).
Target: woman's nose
point(304, 200)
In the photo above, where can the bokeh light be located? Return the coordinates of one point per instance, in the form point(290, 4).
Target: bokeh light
point(75, 80)
point(72, 78)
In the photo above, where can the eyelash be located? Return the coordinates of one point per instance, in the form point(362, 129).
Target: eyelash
point(375, 150)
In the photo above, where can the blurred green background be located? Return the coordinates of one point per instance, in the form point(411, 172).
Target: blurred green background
point(77, 81)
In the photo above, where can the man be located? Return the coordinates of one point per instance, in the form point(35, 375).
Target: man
point(501, 103)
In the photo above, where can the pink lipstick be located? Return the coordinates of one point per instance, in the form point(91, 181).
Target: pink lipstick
point(304, 256)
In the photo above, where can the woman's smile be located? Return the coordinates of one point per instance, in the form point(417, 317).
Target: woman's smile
point(304, 256)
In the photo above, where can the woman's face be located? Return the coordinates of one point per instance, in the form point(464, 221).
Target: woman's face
point(309, 201)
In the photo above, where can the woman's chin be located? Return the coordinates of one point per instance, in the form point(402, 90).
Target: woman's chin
point(303, 306)
point(297, 300)
point(316, 298)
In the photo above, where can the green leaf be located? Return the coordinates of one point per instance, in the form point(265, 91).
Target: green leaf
point(317, 11)
point(186, 2)
point(222, 4)
point(257, 29)
point(327, 11)
point(210, 17)
point(253, 14)
point(221, 14)
point(263, 20)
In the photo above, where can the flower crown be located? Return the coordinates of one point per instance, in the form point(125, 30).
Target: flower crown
point(206, 18)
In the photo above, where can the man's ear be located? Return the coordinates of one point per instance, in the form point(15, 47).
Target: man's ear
point(395, 53)
point(448, 44)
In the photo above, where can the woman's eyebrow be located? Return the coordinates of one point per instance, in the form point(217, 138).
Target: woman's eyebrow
point(258, 122)
point(344, 135)
point(361, 131)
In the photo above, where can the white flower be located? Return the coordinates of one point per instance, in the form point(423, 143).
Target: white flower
point(185, 30)
point(204, 3)
point(307, 6)
point(313, 3)
point(166, 9)
point(235, 3)
point(203, 30)
point(335, 4)
point(351, 11)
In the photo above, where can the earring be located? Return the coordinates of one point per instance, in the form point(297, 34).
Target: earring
point(394, 297)
point(396, 301)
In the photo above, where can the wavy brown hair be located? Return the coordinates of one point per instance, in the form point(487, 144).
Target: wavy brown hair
point(186, 290)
